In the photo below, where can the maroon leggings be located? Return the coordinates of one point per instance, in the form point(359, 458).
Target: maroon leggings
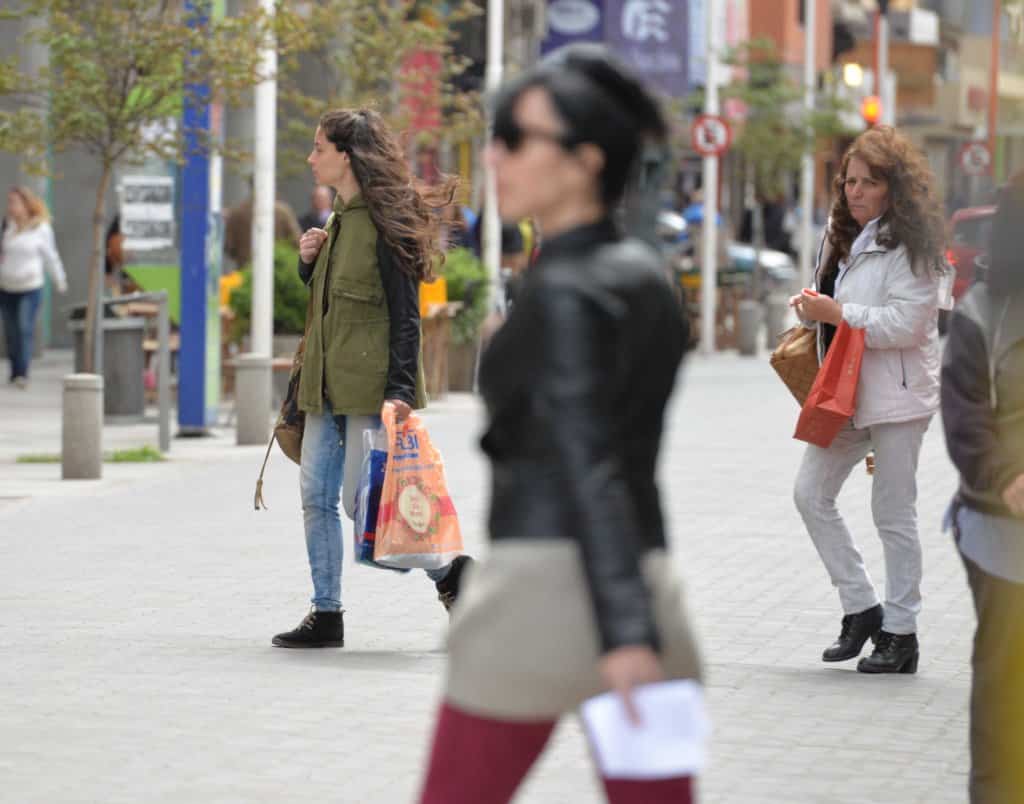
point(477, 760)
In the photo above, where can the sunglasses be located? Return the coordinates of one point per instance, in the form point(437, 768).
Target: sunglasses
point(514, 136)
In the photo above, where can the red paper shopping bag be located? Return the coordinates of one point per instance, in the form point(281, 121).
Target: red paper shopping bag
point(417, 527)
point(833, 396)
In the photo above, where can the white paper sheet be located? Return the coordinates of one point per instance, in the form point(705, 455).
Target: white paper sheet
point(671, 739)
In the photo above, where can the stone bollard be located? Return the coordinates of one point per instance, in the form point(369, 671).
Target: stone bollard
point(776, 314)
point(748, 326)
point(253, 398)
point(81, 455)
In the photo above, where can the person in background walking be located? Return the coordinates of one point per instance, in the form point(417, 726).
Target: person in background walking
point(238, 229)
point(321, 201)
point(27, 251)
point(363, 343)
point(983, 416)
point(577, 594)
point(878, 269)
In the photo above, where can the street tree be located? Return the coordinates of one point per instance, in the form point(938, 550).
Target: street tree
point(776, 130)
point(396, 56)
point(118, 74)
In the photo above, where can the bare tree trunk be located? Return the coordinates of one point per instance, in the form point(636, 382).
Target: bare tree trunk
point(93, 343)
point(757, 278)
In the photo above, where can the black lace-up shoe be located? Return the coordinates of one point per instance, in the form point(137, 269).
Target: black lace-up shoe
point(319, 629)
point(856, 630)
point(448, 587)
point(894, 653)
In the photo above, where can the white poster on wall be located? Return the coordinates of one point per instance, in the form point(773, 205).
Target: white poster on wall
point(147, 212)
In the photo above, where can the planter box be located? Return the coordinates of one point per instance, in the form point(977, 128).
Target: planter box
point(461, 366)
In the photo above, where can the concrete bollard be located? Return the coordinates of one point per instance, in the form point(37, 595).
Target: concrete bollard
point(253, 398)
point(748, 326)
point(776, 311)
point(81, 454)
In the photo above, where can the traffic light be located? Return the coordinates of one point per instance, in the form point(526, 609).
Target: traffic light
point(871, 110)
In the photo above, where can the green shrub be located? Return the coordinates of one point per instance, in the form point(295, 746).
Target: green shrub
point(464, 274)
point(291, 296)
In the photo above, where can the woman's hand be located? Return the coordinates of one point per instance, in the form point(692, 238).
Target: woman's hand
point(815, 307)
point(628, 667)
point(1013, 496)
point(310, 243)
point(402, 409)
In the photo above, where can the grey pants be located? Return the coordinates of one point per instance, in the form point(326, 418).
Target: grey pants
point(893, 506)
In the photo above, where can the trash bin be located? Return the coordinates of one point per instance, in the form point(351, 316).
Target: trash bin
point(124, 363)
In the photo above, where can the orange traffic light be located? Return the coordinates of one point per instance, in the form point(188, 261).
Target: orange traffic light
point(871, 110)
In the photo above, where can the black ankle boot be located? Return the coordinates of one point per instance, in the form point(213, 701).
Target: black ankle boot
point(319, 629)
point(856, 630)
point(448, 587)
point(894, 653)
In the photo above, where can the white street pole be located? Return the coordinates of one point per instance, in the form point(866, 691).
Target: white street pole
point(254, 375)
point(491, 222)
point(709, 265)
point(884, 87)
point(265, 136)
point(807, 174)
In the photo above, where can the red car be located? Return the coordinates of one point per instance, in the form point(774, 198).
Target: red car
point(969, 231)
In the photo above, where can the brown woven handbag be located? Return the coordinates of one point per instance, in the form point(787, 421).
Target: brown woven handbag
point(795, 360)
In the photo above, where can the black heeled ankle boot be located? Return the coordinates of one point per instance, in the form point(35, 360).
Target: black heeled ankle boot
point(856, 630)
point(894, 653)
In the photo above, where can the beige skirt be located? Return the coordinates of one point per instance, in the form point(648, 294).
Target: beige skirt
point(523, 643)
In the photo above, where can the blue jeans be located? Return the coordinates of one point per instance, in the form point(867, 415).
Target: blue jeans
point(18, 311)
point(326, 462)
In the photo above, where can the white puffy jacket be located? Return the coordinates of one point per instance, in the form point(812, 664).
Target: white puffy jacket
point(898, 309)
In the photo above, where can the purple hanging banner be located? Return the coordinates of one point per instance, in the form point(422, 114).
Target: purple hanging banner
point(573, 21)
point(651, 36)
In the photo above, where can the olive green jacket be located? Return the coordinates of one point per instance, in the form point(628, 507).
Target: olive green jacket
point(356, 356)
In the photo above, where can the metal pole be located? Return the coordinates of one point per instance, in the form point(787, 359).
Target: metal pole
point(993, 84)
point(263, 202)
point(492, 223)
point(254, 404)
point(163, 376)
point(807, 174)
point(888, 103)
point(709, 264)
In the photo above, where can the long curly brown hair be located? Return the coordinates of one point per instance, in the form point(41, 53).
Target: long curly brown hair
point(408, 216)
point(914, 218)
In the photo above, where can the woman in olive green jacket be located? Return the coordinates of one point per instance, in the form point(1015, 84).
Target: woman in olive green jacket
point(363, 344)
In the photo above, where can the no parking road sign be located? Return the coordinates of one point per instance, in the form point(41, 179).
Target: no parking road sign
point(975, 159)
point(710, 135)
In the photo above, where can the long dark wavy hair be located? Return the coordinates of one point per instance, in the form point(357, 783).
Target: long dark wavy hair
point(406, 215)
point(914, 218)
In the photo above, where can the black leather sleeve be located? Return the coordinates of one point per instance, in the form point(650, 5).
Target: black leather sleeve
point(967, 414)
point(402, 294)
point(306, 271)
point(573, 393)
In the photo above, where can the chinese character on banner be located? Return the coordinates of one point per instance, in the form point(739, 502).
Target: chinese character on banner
point(652, 36)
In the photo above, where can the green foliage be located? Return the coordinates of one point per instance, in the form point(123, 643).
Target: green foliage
point(777, 131)
point(291, 296)
point(146, 454)
point(466, 277)
point(363, 63)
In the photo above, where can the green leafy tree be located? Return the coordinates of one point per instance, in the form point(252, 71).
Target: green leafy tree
point(120, 70)
point(777, 130)
point(368, 60)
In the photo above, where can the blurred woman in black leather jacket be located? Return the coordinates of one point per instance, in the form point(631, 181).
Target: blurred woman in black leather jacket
point(577, 595)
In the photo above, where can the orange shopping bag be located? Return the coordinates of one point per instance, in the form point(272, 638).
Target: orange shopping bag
point(417, 527)
point(833, 396)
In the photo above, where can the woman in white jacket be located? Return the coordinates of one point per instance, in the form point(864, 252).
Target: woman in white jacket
point(27, 250)
point(878, 269)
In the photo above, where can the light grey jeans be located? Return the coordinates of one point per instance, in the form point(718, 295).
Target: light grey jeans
point(893, 506)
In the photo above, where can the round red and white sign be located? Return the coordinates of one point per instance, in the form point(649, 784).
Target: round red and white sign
point(975, 159)
point(711, 135)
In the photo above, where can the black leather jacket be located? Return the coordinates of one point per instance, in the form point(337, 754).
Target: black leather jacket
point(576, 384)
